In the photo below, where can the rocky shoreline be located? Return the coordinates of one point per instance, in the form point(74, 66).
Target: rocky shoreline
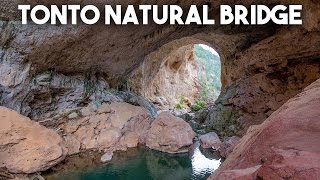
point(30, 147)
point(283, 141)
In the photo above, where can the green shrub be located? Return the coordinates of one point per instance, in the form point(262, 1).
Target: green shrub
point(183, 100)
point(198, 105)
point(201, 103)
point(179, 106)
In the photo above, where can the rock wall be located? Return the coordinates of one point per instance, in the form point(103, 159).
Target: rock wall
point(262, 66)
point(286, 145)
point(264, 77)
point(176, 77)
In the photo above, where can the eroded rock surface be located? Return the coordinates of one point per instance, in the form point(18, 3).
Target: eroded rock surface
point(170, 134)
point(109, 128)
point(286, 145)
point(27, 147)
point(262, 66)
point(264, 77)
point(228, 145)
point(177, 74)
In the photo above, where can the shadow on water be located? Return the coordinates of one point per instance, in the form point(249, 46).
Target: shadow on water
point(145, 164)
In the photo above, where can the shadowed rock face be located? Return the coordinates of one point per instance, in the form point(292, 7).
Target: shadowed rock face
point(113, 50)
point(262, 66)
point(286, 145)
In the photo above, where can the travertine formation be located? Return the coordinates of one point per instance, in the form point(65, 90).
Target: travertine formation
point(176, 78)
point(262, 66)
point(45, 69)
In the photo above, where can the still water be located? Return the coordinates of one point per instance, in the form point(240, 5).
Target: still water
point(145, 164)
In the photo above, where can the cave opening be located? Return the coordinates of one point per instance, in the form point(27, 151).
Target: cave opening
point(188, 80)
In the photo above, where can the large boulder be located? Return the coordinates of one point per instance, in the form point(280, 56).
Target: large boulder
point(111, 127)
point(210, 140)
point(169, 134)
point(137, 126)
point(26, 146)
point(285, 146)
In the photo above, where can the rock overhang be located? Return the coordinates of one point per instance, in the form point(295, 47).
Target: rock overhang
point(253, 57)
point(113, 50)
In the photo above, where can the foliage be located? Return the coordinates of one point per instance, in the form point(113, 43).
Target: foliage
point(182, 101)
point(209, 73)
point(179, 106)
point(198, 105)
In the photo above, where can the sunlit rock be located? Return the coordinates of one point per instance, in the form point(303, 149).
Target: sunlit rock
point(27, 147)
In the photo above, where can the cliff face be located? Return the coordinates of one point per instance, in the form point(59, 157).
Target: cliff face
point(265, 76)
point(262, 66)
point(176, 77)
point(283, 146)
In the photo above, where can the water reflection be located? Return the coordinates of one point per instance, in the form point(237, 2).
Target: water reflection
point(202, 165)
point(145, 164)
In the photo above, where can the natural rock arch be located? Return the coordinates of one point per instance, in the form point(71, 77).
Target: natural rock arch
point(173, 56)
point(262, 66)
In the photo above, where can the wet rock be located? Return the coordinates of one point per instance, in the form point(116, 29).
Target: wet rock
point(239, 174)
point(169, 134)
point(285, 145)
point(200, 116)
point(210, 140)
point(106, 157)
point(27, 147)
point(201, 131)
